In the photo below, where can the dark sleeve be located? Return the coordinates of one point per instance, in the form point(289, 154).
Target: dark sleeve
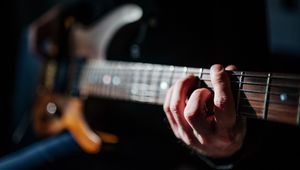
point(248, 152)
point(268, 145)
point(225, 163)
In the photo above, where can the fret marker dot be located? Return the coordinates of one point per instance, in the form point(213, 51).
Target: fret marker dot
point(116, 80)
point(134, 90)
point(106, 79)
point(164, 85)
point(185, 69)
point(283, 97)
point(171, 68)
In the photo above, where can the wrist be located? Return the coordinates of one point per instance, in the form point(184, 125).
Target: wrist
point(225, 143)
point(228, 155)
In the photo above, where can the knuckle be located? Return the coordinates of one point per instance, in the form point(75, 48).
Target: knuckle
point(218, 78)
point(221, 101)
point(180, 83)
point(189, 115)
point(188, 142)
point(186, 137)
point(174, 108)
point(197, 92)
point(201, 93)
point(167, 108)
point(184, 81)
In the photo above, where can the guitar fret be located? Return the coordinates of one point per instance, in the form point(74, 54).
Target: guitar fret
point(152, 87)
point(109, 76)
point(114, 80)
point(125, 72)
point(164, 82)
point(265, 110)
point(128, 74)
point(239, 93)
point(185, 70)
point(104, 87)
point(200, 73)
point(124, 79)
point(113, 75)
point(177, 74)
point(172, 74)
point(200, 77)
point(141, 85)
point(149, 83)
point(134, 89)
point(159, 74)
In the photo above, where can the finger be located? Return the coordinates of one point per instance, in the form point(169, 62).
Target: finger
point(231, 68)
point(195, 115)
point(223, 99)
point(168, 113)
point(177, 105)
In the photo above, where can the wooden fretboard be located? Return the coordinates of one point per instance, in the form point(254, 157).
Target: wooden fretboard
point(269, 96)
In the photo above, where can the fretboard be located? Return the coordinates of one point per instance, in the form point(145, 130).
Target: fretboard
point(269, 96)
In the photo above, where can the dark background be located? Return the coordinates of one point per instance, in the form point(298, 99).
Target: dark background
point(255, 35)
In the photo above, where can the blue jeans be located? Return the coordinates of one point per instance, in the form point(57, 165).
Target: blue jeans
point(41, 153)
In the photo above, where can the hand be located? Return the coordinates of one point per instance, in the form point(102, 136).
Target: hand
point(215, 135)
point(47, 32)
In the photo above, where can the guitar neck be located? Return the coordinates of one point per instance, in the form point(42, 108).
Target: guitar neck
point(269, 96)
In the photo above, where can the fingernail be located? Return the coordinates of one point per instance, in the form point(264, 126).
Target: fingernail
point(217, 68)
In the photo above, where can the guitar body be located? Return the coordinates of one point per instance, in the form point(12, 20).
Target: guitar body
point(58, 105)
point(65, 83)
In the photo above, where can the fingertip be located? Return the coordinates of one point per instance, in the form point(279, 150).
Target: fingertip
point(216, 68)
point(231, 67)
point(195, 104)
point(218, 76)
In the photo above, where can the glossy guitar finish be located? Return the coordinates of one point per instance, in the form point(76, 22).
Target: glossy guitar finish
point(268, 96)
point(55, 110)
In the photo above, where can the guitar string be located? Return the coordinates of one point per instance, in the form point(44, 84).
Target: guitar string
point(246, 90)
point(254, 114)
point(244, 82)
point(190, 72)
point(145, 93)
point(119, 64)
point(272, 91)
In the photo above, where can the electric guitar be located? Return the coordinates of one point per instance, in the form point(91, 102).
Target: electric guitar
point(268, 96)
